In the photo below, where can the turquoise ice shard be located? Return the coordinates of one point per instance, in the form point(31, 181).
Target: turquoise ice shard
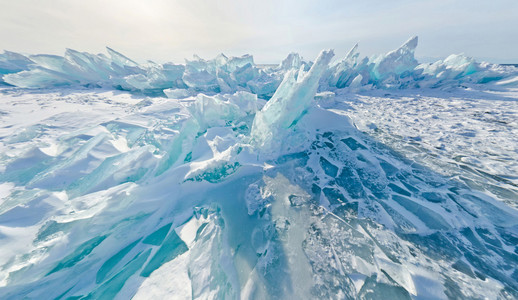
point(120, 59)
point(157, 77)
point(292, 61)
point(458, 68)
point(391, 70)
point(12, 62)
point(396, 63)
point(214, 111)
point(292, 98)
point(74, 68)
point(342, 73)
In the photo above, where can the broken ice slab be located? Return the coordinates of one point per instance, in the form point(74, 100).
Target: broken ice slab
point(294, 96)
point(340, 74)
point(170, 248)
point(214, 111)
point(177, 93)
point(12, 62)
point(397, 63)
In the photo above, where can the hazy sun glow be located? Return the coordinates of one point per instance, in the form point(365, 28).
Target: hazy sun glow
point(173, 30)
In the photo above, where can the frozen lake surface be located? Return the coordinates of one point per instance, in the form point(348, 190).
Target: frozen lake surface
point(375, 178)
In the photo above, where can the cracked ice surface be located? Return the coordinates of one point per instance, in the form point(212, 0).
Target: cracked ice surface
point(341, 186)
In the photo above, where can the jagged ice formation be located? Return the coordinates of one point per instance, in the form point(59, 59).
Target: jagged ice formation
point(257, 183)
point(395, 70)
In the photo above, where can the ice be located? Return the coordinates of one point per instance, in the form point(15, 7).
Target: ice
point(177, 93)
point(37, 78)
point(293, 97)
point(109, 264)
point(157, 77)
point(201, 80)
point(12, 62)
point(74, 68)
point(213, 111)
point(221, 74)
point(78, 254)
point(121, 61)
point(368, 178)
point(292, 61)
point(396, 69)
point(171, 247)
point(459, 69)
point(343, 72)
point(398, 63)
point(392, 70)
point(399, 69)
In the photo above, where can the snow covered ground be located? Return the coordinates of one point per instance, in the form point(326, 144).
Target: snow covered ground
point(469, 135)
point(367, 178)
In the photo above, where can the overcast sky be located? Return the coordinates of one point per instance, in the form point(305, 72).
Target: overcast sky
point(171, 30)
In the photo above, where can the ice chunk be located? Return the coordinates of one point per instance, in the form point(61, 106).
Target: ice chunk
point(392, 70)
point(400, 69)
point(247, 102)
point(109, 264)
point(12, 62)
point(264, 85)
point(171, 248)
point(357, 82)
point(220, 74)
point(211, 111)
point(458, 68)
point(157, 77)
point(257, 198)
point(287, 105)
point(209, 269)
point(346, 70)
point(86, 67)
point(235, 63)
point(398, 63)
point(201, 80)
point(244, 74)
point(79, 254)
point(112, 287)
point(214, 111)
point(292, 61)
point(177, 93)
point(121, 60)
point(38, 78)
point(211, 66)
point(74, 68)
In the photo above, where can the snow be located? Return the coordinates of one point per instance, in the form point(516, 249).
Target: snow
point(219, 179)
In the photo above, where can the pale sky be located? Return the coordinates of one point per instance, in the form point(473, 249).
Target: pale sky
point(171, 30)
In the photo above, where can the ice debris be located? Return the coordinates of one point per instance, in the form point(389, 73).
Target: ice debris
point(396, 69)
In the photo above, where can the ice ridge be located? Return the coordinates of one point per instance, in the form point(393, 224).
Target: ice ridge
point(397, 69)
